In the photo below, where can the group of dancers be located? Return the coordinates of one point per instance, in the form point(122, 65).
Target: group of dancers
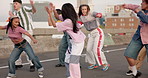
point(20, 31)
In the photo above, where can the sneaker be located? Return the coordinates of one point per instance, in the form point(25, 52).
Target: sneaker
point(105, 68)
point(40, 74)
point(137, 75)
point(32, 68)
point(93, 66)
point(129, 73)
point(59, 65)
point(11, 77)
point(18, 66)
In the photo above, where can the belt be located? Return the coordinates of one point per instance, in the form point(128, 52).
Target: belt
point(24, 41)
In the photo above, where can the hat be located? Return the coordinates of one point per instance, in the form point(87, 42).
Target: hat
point(14, 17)
point(19, 1)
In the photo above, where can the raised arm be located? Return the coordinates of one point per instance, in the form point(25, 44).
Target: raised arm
point(54, 11)
point(142, 16)
point(136, 8)
point(32, 5)
point(51, 21)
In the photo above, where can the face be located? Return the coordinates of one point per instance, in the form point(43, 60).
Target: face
point(16, 5)
point(15, 22)
point(84, 10)
point(144, 5)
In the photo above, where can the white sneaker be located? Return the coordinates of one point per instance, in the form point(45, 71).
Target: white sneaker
point(68, 77)
point(40, 74)
point(11, 77)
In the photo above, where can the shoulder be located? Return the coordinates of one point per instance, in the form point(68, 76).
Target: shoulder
point(67, 21)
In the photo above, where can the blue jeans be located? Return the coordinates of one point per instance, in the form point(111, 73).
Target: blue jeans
point(63, 48)
point(16, 54)
point(134, 48)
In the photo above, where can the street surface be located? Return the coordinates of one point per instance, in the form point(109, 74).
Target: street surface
point(114, 55)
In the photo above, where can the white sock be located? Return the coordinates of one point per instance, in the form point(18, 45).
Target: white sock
point(134, 69)
point(129, 67)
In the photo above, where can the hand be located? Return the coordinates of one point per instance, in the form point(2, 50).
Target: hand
point(99, 15)
point(10, 14)
point(31, 2)
point(51, 6)
point(123, 5)
point(35, 41)
point(48, 10)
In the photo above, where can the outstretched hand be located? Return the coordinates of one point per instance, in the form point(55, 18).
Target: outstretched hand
point(35, 41)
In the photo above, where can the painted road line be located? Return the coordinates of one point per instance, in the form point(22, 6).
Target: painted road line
point(114, 50)
point(54, 59)
point(48, 60)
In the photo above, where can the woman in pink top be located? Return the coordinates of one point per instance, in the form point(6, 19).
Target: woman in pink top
point(77, 38)
point(15, 31)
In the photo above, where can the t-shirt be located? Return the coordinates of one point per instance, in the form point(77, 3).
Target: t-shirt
point(16, 33)
point(25, 17)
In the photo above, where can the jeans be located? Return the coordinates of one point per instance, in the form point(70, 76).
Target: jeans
point(16, 54)
point(19, 61)
point(63, 47)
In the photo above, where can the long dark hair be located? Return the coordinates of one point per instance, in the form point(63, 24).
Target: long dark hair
point(10, 24)
point(80, 9)
point(146, 1)
point(68, 12)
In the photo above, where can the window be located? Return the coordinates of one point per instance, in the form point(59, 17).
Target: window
point(129, 24)
point(115, 14)
point(123, 24)
point(112, 24)
point(121, 19)
point(115, 24)
point(132, 24)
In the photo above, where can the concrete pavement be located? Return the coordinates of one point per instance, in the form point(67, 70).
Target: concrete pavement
point(114, 56)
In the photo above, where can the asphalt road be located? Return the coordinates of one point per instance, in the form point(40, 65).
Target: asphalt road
point(114, 56)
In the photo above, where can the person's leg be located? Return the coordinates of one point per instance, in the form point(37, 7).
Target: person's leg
point(32, 67)
point(140, 58)
point(11, 62)
point(62, 50)
point(98, 48)
point(67, 70)
point(28, 49)
point(131, 54)
point(18, 62)
point(90, 58)
point(74, 65)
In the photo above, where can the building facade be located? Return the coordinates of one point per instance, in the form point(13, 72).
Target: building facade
point(119, 18)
